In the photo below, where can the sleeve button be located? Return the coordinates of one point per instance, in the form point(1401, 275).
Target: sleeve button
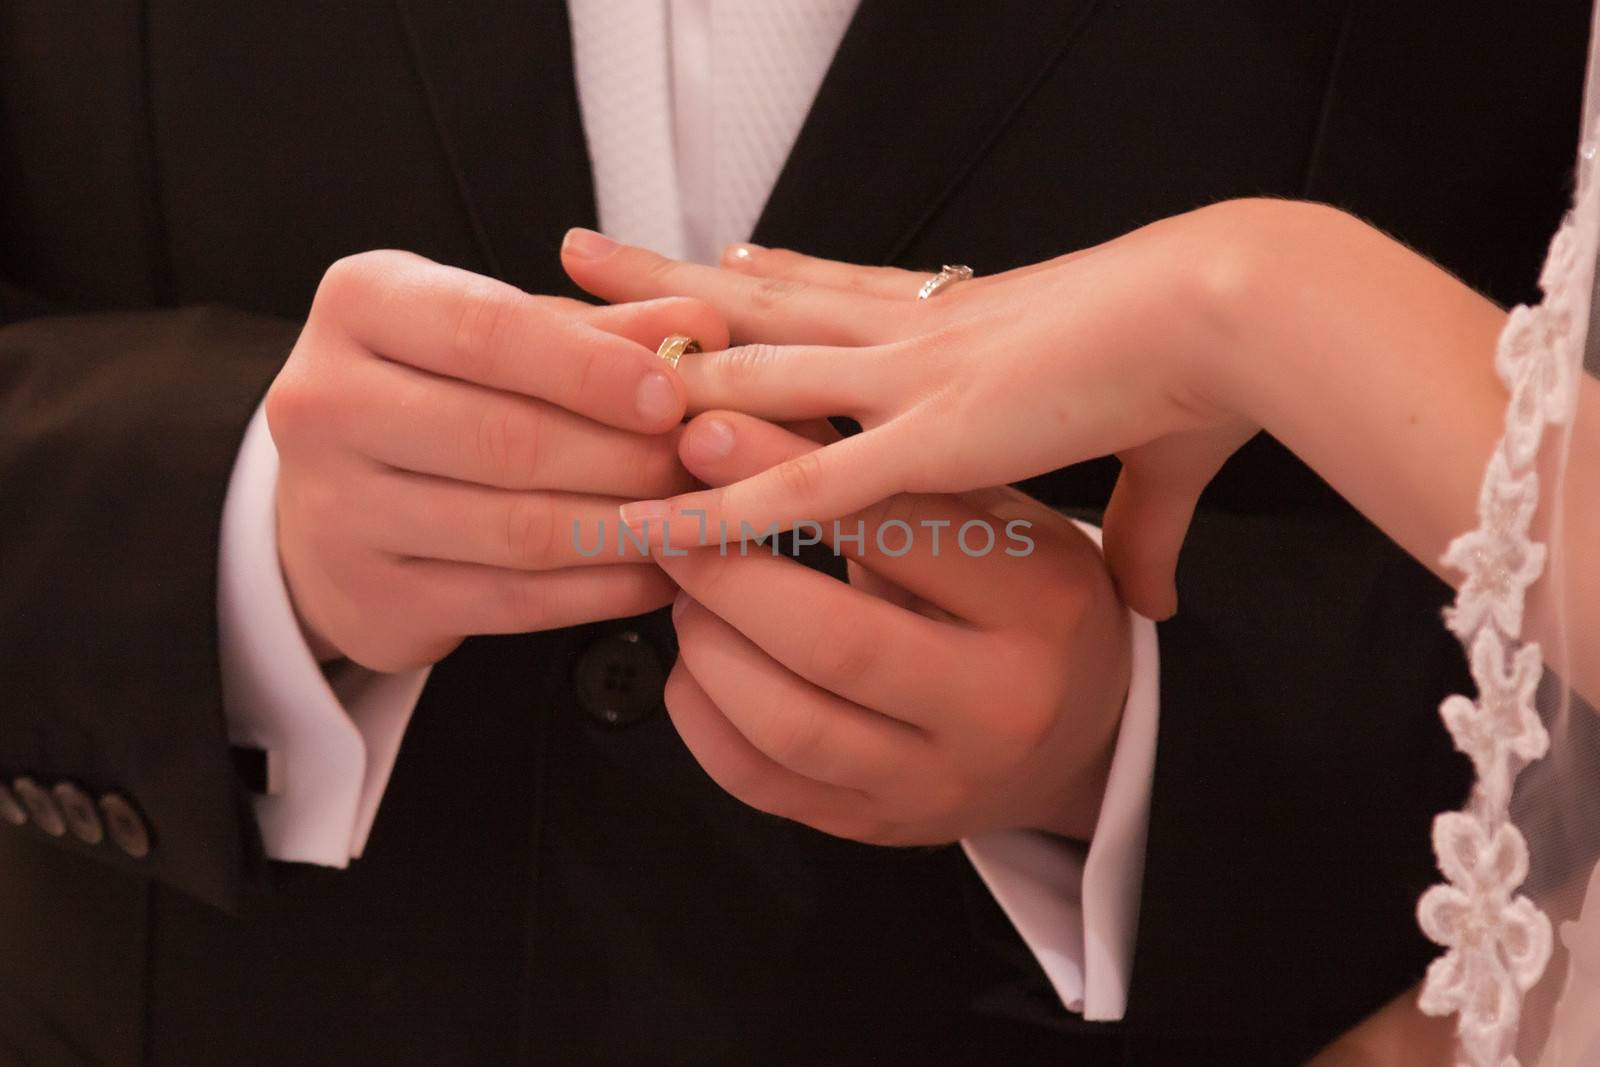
point(83, 818)
point(11, 809)
point(125, 825)
point(42, 807)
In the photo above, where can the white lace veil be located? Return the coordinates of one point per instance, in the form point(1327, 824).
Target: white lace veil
point(1517, 913)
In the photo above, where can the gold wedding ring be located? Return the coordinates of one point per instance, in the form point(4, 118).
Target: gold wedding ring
point(674, 348)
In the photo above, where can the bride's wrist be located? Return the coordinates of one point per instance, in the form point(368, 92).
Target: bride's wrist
point(1253, 254)
point(1337, 340)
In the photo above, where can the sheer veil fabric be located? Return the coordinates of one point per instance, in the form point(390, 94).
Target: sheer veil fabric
point(1517, 912)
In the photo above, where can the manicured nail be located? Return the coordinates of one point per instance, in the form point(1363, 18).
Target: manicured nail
point(680, 604)
point(641, 513)
point(707, 441)
point(656, 399)
point(739, 255)
point(586, 244)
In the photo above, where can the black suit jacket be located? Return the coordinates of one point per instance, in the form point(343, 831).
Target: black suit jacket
point(551, 878)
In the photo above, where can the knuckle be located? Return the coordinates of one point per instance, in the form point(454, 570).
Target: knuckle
point(493, 443)
point(506, 445)
point(743, 363)
point(350, 278)
point(530, 531)
point(769, 293)
point(311, 395)
point(841, 655)
point(292, 406)
point(801, 476)
point(483, 312)
point(659, 270)
point(791, 736)
point(582, 364)
point(357, 278)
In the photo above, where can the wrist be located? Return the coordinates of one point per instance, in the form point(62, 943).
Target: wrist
point(1335, 339)
point(1254, 254)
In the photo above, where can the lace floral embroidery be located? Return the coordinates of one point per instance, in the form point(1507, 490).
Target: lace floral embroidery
point(1499, 558)
point(1501, 726)
point(1498, 945)
point(1497, 942)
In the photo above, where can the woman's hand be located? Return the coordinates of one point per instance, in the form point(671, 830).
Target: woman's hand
point(1109, 350)
point(1168, 347)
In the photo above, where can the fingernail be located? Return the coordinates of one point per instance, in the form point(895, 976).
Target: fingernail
point(680, 604)
point(707, 441)
point(642, 512)
point(657, 400)
point(586, 244)
point(738, 255)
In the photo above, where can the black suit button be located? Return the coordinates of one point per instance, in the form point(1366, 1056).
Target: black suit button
point(125, 825)
point(11, 809)
point(42, 807)
point(619, 679)
point(83, 818)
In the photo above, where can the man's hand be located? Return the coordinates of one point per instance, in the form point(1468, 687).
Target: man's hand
point(439, 434)
point(939, 695)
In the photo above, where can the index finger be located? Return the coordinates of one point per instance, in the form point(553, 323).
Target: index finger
point(816, 487)
point(947, 550)
point(774, 310)
point(461, 325)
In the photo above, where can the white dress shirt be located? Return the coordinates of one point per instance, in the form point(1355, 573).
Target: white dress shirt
point(690, 108)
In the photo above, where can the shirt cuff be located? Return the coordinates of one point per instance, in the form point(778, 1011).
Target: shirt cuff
point(330, 742)
point(1077, 909)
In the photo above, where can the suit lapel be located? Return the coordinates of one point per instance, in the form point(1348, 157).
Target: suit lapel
point(499, 83)
point(916, 95)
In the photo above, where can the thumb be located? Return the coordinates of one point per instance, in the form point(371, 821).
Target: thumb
point(1150, 511)
point(1143, 534)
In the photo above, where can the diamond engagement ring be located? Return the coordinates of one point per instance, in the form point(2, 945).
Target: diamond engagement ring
point(675, 347)
point(948, 275)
